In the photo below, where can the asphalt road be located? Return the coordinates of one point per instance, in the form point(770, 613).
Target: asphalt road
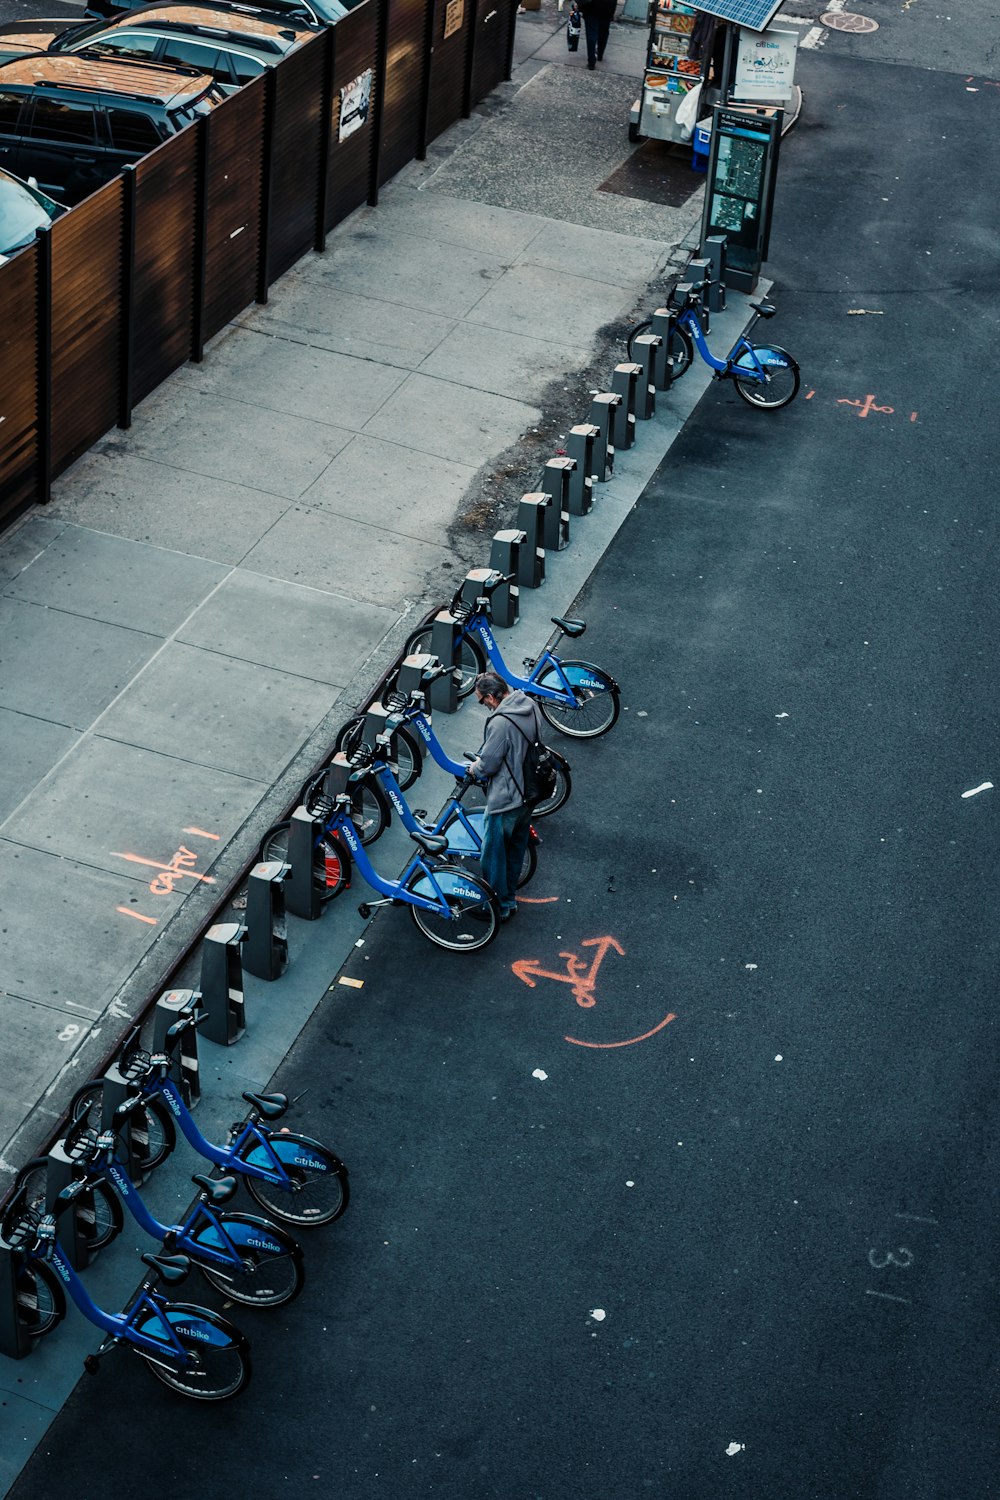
point(746, 1251)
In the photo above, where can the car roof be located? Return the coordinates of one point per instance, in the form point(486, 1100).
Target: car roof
point(219, 18)
point(166, 86)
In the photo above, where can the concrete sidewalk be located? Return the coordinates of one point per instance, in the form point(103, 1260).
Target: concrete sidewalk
point(210, 594)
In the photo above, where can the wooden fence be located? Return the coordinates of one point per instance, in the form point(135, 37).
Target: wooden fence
point(133, 282)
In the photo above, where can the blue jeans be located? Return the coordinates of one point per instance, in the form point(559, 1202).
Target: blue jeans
point(505, 841)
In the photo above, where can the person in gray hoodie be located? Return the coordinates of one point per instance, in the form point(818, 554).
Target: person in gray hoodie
point(514, 723)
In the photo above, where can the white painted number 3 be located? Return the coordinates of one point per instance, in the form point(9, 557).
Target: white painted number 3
point(68, 1032)
point(901, 1258)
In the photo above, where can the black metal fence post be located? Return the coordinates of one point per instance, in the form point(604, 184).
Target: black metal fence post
point(200, 239)
point(381, 57)
point(326, 136)
point(267, 186)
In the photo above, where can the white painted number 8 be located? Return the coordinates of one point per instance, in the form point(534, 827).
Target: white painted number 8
point(68, 1032)
point(890, 1259)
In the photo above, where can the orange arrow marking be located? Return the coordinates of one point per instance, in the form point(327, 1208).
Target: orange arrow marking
point(582, 978)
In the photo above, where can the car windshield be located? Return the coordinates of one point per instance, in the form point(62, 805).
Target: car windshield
point(75, 36)
point(20, 216)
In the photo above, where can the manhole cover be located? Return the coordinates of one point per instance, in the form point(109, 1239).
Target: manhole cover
point(843, 20)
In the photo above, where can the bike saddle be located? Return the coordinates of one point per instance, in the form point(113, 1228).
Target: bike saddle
point(170, 1268)
point(218, 1190)
point(572, 628)
point(765, 309)
point(268, 1106)
point(432, 843)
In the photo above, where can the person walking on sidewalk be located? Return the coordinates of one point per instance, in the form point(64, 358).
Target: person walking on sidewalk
point(513, 725)
point(597, 18)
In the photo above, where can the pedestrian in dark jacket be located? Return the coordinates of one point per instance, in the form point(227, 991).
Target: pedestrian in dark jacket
point(597, 18)
point(514, 724)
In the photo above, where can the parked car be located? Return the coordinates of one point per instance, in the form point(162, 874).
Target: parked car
point(233, 46)
point(73, 122)
point(321, 12)
point(23, 210)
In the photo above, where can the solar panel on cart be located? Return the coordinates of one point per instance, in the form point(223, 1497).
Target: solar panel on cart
point(757, 14)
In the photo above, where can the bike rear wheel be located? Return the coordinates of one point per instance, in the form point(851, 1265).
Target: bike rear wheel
point(471, 656)
point(219, 1365)
point(272, 1272)
point(153, 1133)
point(597, 701)
point(409, 757)
point(331, 871)
point(474, 910)
point(563, 787)
point(317, 1192)
point(781, 378)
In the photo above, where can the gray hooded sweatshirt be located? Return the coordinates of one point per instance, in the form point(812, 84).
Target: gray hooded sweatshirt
point(501, 760)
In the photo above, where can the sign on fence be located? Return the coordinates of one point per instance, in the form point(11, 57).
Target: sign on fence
point(355, 100)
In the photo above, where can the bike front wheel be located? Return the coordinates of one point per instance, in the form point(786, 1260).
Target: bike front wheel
point(317, 1190)
point(331, 871)
point(99, 1214)
point(780, 382)
point(473, 910)
point(370, 811)
point(596, 705)
point(271, 1271)
point(409, 757)
point(218, 1366)
point(153, 1133)
point(471, 656)
point(40, 1301)
point(679, 347)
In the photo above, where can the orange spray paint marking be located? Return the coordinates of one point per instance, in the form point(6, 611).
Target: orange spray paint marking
point(913, 416)
point(582, 978)
point(810, 395)
point(201, 834)
point(163, 885)
point(866, 406)
point(630, 1042)
point(535, 900)
point(127, 911)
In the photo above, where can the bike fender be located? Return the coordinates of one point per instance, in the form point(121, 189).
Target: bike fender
point(293, 1153)
point(577, 673)
point(188, 1320)
point(250, 1236)
point(765, 356)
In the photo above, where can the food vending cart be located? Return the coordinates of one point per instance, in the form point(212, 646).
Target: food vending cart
point(669, 75)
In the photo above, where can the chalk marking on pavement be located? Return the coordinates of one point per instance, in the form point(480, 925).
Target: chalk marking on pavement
point(888, 1296)
point(917, 1218)
point(629, 1042)
point(984, 786)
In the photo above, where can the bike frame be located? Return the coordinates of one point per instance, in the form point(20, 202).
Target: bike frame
point(690, 321)
point(118, 1325)
point(394, 889)
point(477, 624)
point(452, 813)
point(180, 1234)
point(422, 724)
point(222, 1156)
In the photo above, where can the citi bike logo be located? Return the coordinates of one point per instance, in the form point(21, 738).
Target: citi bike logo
point(268, 1245)
point(173, 1103)
point(119, 1181)
point(396, 801)
point(424, 730)
point(193, 1333)
point(307, 1161)
point(487, 638)
point(352, 842)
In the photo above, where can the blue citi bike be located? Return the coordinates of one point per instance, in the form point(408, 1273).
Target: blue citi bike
point(191, 1349)
point(413, 732)
point(461, 827)
point(292, 1177)
point(576, 697)
point(247, 1258)
point(452, 906)
point(764, 375)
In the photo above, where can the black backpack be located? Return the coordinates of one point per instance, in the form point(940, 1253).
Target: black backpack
point(539, 768)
